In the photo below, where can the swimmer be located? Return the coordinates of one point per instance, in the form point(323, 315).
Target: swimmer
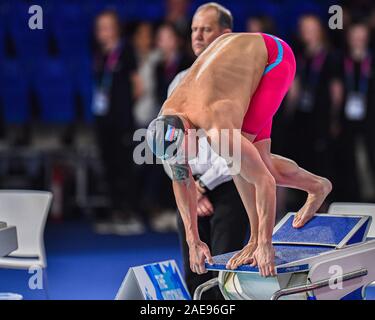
point(237, 83)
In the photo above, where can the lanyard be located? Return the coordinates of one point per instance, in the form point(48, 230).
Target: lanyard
point(109, 67)
point(316, 66)
point(364, 75)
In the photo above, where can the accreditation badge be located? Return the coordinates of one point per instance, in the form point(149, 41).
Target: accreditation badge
point(355, 108)
point(100, 104)
point(307, 101)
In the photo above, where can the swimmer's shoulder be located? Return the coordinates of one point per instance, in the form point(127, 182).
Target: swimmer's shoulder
point(167, 109)
point(174, 104)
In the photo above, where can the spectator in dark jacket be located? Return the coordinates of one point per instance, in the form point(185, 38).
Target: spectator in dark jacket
point(116, 86)
point(314, 100)
point(358, 116)
point(173, 59)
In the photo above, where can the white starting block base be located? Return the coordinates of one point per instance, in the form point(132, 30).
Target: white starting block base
point(8, 239)
point(247, 286)
point(329, 258)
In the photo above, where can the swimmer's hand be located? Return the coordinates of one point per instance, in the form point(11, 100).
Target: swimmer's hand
point(264, 258)
point(245, 256)
point(199, 252)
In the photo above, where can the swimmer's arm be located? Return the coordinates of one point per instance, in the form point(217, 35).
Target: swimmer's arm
point(186, 199)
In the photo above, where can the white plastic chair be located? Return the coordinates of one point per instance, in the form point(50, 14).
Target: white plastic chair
point(355, 208)
point(27, 211)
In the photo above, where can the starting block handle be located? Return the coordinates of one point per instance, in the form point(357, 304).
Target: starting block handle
point(318, 284)
point(205, 287)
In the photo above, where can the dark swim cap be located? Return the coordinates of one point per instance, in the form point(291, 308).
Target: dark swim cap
point(165, 135)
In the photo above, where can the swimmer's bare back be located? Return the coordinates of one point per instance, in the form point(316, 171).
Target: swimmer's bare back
point(217, 90)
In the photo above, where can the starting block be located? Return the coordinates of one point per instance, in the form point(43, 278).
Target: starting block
point(328, 258)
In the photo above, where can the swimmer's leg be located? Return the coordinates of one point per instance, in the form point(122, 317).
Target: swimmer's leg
point(288, 174)
point(247, 194)
point(253, 170)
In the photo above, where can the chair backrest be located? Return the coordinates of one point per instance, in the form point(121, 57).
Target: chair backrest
point(29, 44)
point(55, 92)
point(27, 210)
point(355, 208)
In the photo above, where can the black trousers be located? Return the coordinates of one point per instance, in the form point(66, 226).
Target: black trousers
point(116, 151)
point(225, 231)
point(347, 180)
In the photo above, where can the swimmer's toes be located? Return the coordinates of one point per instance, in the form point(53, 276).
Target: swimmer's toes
point(304, 219)
point(296, 220)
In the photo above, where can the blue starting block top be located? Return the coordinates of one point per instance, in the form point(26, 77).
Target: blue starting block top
point(323, 230)
point(283, 254)
point(321, 234)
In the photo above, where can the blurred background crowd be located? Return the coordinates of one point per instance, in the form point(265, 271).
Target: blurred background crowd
point(52, 135)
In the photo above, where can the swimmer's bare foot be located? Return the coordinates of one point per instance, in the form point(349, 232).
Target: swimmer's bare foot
point(313, 203)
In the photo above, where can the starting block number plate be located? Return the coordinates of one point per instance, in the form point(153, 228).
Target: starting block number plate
point(156, 281)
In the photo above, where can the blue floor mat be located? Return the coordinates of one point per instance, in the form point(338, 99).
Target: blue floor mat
point(84, 265)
